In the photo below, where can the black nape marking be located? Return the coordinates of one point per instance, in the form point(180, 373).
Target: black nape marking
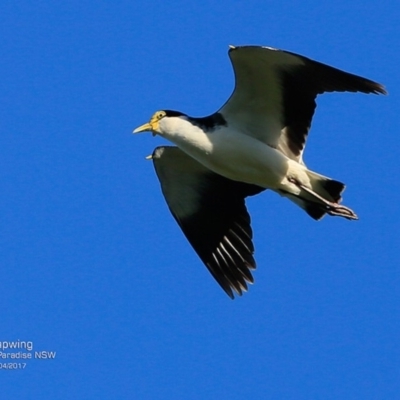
point(172, 113)
point(209, 123)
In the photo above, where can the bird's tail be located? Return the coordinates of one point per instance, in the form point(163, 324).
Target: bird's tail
point(323, 197)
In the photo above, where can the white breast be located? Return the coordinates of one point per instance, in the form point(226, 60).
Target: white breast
point(231, 154)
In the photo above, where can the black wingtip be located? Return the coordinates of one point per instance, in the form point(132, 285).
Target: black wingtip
point(230, 294)
point(367, 86)
point(377, 88)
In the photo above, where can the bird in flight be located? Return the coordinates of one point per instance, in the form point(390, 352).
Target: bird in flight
point(255, 141)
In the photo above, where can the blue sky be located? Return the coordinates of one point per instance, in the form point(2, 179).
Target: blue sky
point(93, 266)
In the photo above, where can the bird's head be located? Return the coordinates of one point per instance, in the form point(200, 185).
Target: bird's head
point(159, 122)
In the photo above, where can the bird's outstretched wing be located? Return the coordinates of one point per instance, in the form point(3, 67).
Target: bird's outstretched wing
point(275, 91)
point(211, 212)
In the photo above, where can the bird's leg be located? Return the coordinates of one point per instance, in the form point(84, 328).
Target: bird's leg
point(332, 208)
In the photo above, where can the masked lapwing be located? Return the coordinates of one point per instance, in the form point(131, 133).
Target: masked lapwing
point(255, 141)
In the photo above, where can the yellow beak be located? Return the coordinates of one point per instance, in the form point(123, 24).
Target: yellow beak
point(143, 128)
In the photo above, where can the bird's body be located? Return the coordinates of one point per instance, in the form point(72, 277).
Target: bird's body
point(230, 153)
point(254, 142)
point(237, 156)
